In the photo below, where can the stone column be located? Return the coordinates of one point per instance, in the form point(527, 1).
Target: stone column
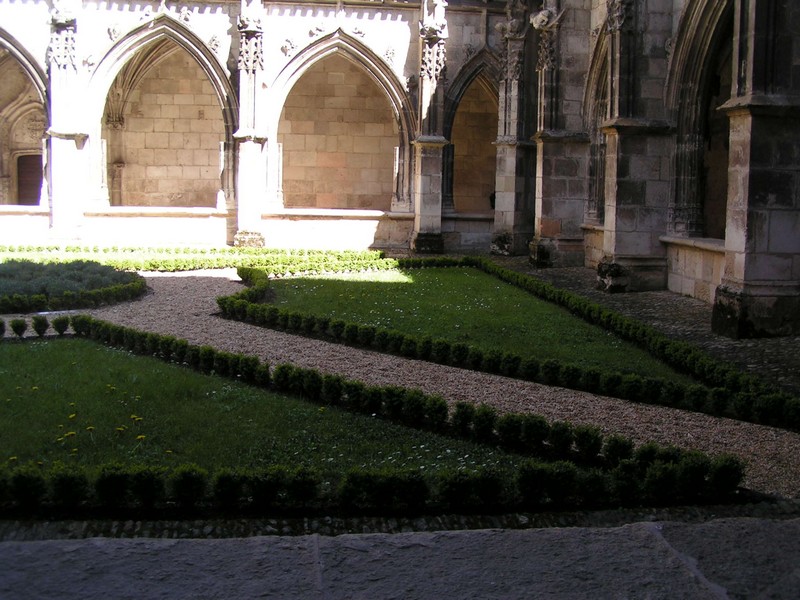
point(68, 163)
point(561, 162)
point(430, 142)
point(251, 174)
point(637, 173)
point(513, 216)
point(760, 291)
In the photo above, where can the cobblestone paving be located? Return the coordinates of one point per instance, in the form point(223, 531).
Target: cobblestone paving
point(775, 359)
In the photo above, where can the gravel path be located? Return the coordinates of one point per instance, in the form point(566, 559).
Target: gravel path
point(184, 306)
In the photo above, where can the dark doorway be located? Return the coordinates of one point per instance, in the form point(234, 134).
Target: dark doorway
point(29, 178)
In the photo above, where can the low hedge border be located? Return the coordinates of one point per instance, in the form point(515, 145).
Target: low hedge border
point(738, 396)
point(279, 262)
point(568, 467)
point(727, 393)
point(19, 303)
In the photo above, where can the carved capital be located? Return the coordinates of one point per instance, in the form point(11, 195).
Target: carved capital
point(434, 59)
point(251, 54)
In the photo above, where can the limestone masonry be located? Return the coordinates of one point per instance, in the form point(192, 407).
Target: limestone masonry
point(657, 141)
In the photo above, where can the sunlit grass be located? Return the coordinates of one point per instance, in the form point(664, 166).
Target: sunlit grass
point(468, 306)
point(77, 402)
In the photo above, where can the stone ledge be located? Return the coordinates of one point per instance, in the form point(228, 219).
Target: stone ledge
point(712, 244)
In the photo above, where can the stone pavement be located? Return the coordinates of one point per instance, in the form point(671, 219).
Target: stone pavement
point(721, 559)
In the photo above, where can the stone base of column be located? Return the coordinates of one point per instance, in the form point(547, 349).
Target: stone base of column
point(427, 243)
point(248, 239)
point(743, 314)
point(557, 252)
point(631, 274)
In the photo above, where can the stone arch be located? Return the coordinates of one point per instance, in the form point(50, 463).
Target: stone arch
point(703, 32)
point(471, 128)
point(29, 64)
point(23, 123)
point(596, 112)
point(340, 44)
point(187, 161)
point(165, 27)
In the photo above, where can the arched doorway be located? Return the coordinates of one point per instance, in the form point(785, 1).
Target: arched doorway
point(22, 127)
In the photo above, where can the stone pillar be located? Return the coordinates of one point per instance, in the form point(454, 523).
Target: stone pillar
point(429, 145)
point(513, 216)
point(637, 169)
point(251, 174)
point(561, 154)
point(68, 161)
point(760, 290)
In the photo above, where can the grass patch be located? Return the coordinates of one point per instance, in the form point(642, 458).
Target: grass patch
point(74, 401)
point(464, 305)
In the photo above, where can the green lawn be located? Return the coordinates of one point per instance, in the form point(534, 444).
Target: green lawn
point(468, 306)
point(74, 401)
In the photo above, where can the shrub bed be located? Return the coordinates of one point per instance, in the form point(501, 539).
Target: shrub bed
point(726, 393)
point(27, 286)
point(569, 466)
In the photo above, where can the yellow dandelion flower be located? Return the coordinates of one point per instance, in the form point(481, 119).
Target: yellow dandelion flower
point(137, 419)
point(90, 428)
point(74, 450)
point(140, 437)
point(167, 451)
point(60, 439)
point(72, 404)
point(73, 415)
point(69, 434)
point(120, 429)
point(12, 458)
point(35, 388)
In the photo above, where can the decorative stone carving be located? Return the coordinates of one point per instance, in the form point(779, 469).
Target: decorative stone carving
point(61, 52)
point(516, 22)
point(114, 32)
point(316, 31)
point(433, 31)
point(251, 55)
point(617, 12)
point(288, 47)
point(185, 15)
point(214, 43)
point(546, 23)
point(433, 27)
point(358, 32)
point(389, 55)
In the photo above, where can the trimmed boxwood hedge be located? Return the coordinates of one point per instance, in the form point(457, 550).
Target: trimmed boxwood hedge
point(726, 393)
point(569, 466)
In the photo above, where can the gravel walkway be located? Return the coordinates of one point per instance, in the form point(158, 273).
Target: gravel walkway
point(184, 306)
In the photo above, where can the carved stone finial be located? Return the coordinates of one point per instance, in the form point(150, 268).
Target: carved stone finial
point(617, 14)
point(251, 54)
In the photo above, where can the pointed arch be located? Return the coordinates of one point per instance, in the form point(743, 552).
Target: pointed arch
point(595, 112)
point(34, 70)
point(484, 69)
point(701, 33)
point(339, 43)
point(469, 160)
point(160, 28)
point(358, 53)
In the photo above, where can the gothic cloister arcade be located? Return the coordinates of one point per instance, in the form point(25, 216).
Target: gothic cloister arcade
point(653, 140)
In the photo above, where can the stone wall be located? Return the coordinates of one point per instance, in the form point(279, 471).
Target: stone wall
point(167, 152)
point(474, 131)
point(339, 137)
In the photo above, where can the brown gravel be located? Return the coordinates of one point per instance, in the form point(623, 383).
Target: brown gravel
point(184, 306)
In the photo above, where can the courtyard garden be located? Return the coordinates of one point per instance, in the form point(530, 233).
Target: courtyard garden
point(114, 418)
